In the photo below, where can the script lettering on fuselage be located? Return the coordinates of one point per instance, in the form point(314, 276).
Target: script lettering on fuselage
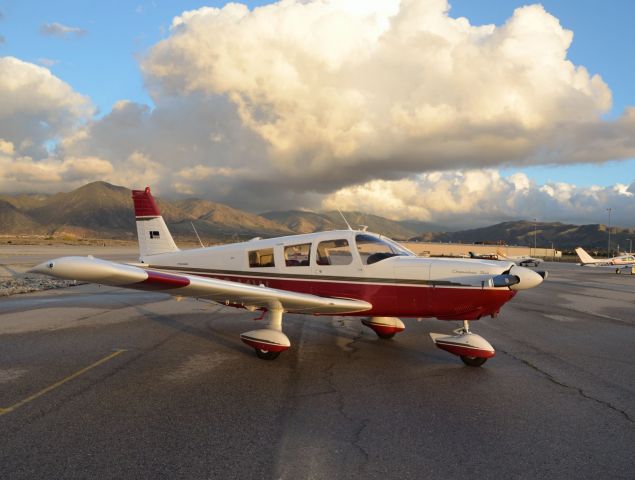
point(470, 272)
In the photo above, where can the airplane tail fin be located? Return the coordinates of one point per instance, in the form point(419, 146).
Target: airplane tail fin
point(152, 232)
point(585, 258)
point(501, 255)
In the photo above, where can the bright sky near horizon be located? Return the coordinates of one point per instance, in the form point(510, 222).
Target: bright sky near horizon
point(397, 108)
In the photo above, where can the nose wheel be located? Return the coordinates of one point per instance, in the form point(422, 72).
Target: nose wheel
point(473, 349)
point(473, 361)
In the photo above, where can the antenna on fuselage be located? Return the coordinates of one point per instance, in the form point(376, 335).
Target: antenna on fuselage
point(199, 238)
point(345, 221)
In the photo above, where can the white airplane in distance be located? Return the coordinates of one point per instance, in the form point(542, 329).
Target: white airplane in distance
point(341, 272)
point(622, 262)
point(522, 260)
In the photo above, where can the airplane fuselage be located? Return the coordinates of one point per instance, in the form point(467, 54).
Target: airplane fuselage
point(623, 260)
point(340, 264)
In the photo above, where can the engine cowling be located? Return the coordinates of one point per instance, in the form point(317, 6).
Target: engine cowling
point(527, 278)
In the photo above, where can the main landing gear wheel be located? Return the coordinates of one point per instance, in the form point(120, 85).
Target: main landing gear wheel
point(385, 336)
point(270, 341)
point(384, 327)
point(266, 354)
point(473, 361)
point(618, 270)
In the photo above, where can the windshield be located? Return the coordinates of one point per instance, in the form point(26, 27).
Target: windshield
point(372, 249)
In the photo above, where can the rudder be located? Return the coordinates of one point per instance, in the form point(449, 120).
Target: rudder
point(584, 256)
point(152, 232)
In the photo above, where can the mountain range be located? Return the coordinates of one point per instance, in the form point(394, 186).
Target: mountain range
point(102, 210)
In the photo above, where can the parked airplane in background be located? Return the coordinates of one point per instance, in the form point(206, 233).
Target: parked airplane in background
point(622, 262)
point(342, 272)
point(483, 256)
point(522, 260)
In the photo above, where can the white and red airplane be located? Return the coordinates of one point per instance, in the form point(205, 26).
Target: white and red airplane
point(622, 262)
point(342, 272)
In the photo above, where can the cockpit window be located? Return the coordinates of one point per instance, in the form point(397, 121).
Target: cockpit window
point(372, 249)
point(261, 258)
point(297, 255)
point(334, 252)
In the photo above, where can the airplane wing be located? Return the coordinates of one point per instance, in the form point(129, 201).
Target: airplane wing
point(94, 270)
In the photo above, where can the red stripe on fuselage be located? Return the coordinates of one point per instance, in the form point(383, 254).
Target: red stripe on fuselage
point(395, 300)
point(161, 281)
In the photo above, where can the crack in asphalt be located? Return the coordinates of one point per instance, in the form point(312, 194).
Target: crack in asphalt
point(351, 349)
point(580, 391)
point(326, 377)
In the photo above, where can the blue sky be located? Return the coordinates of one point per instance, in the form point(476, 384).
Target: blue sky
point(603, 40)
point(103, 63)
point(101, 60)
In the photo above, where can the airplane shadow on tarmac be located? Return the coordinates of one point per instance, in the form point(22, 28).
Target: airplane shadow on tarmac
point(212, 335)
point(399, 347)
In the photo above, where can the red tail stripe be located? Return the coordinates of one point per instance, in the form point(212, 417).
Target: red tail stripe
point(144, 204)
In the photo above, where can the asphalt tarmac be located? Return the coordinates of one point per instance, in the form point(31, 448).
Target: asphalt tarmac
point(109, 383)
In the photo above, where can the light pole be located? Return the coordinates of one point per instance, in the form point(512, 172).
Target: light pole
point(535, 236)
point(630, 245)
point(608, 251)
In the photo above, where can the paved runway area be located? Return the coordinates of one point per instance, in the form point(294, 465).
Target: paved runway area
point(107, 383)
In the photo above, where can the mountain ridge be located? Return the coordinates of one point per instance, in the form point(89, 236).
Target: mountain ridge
point(103, 210)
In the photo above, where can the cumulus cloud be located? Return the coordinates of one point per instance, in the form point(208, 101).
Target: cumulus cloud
point(343, 91)
point(20, 173)
point(58, 30)
point(482, 197)
point(190, 145)
point(6, 148)
point(38, 110)
point(50, 140)
point(37, 106)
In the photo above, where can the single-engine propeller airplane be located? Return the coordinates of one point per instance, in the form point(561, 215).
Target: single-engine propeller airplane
point(522, 260)
point(341, 272)
point(621, 262)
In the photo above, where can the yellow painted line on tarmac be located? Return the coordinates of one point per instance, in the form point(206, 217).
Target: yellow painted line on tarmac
point(60, 382)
